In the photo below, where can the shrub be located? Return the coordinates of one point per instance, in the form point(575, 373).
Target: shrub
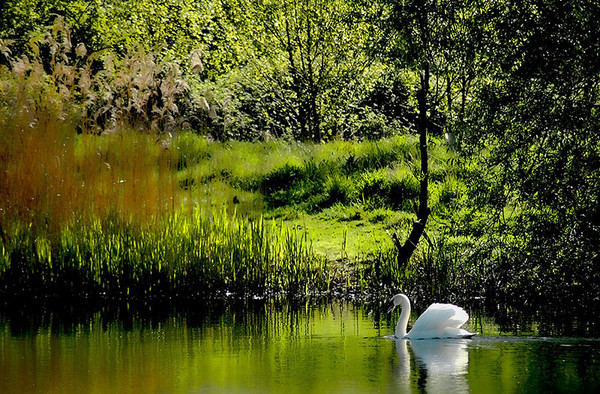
point(379, 190)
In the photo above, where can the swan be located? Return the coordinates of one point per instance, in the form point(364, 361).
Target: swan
point(438, 321)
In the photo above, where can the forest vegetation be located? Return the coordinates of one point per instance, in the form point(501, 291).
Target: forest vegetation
point(208, 148)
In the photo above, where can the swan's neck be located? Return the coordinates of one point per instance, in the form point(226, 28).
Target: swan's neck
point(400, 331)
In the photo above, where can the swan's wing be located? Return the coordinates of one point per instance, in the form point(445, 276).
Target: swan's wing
point(441, 316)
point(438, 318)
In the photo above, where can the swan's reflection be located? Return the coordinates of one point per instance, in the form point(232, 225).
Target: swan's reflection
point(440, 366)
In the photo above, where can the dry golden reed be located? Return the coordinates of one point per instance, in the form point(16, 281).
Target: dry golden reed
point(68, 150)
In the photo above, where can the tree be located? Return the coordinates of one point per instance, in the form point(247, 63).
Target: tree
point(444, 43)
point(411, 24)
point(536, 115)
point(313, 58)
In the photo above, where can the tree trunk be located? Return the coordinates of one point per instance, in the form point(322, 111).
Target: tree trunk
point(296, 87)
point(406, 251)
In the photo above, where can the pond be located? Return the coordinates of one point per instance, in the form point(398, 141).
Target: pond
point(270, 347)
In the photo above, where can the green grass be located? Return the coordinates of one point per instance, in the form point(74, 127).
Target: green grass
point(349, 231)
point(348, 196)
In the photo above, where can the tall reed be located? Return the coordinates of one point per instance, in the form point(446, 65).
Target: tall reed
point(50, 172)
point(185, 255)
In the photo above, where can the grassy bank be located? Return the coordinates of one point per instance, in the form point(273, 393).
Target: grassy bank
point(347, 195)
point(143, 216)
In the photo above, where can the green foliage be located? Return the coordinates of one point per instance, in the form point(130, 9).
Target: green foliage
point(535, 113)
point(513, 85)
point(314, 59)
point(309, 76)
point(173, 27)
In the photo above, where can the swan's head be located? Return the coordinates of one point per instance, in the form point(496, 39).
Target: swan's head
point(398, 300)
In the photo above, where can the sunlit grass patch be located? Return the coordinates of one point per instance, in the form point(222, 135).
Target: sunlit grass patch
point(351, 232)
point(375, 183)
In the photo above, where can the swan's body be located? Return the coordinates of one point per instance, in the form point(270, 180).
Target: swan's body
point(438, 321)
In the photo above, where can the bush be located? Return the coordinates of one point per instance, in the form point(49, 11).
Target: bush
point(379, 190)
point(339, 190)
point(98, 92)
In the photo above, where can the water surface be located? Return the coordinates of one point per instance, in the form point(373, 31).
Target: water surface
point(336, 347)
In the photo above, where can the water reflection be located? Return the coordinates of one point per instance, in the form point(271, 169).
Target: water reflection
point(438, 366)
point(442, 357)
point(268, 347)
point(403, 370)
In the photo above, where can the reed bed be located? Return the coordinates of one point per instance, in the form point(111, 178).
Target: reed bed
point(83, 135)
point(186, 255)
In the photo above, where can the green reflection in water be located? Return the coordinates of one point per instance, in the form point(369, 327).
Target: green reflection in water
point(338, 347)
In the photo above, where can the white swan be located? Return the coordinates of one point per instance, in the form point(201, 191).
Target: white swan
point(438, 321)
